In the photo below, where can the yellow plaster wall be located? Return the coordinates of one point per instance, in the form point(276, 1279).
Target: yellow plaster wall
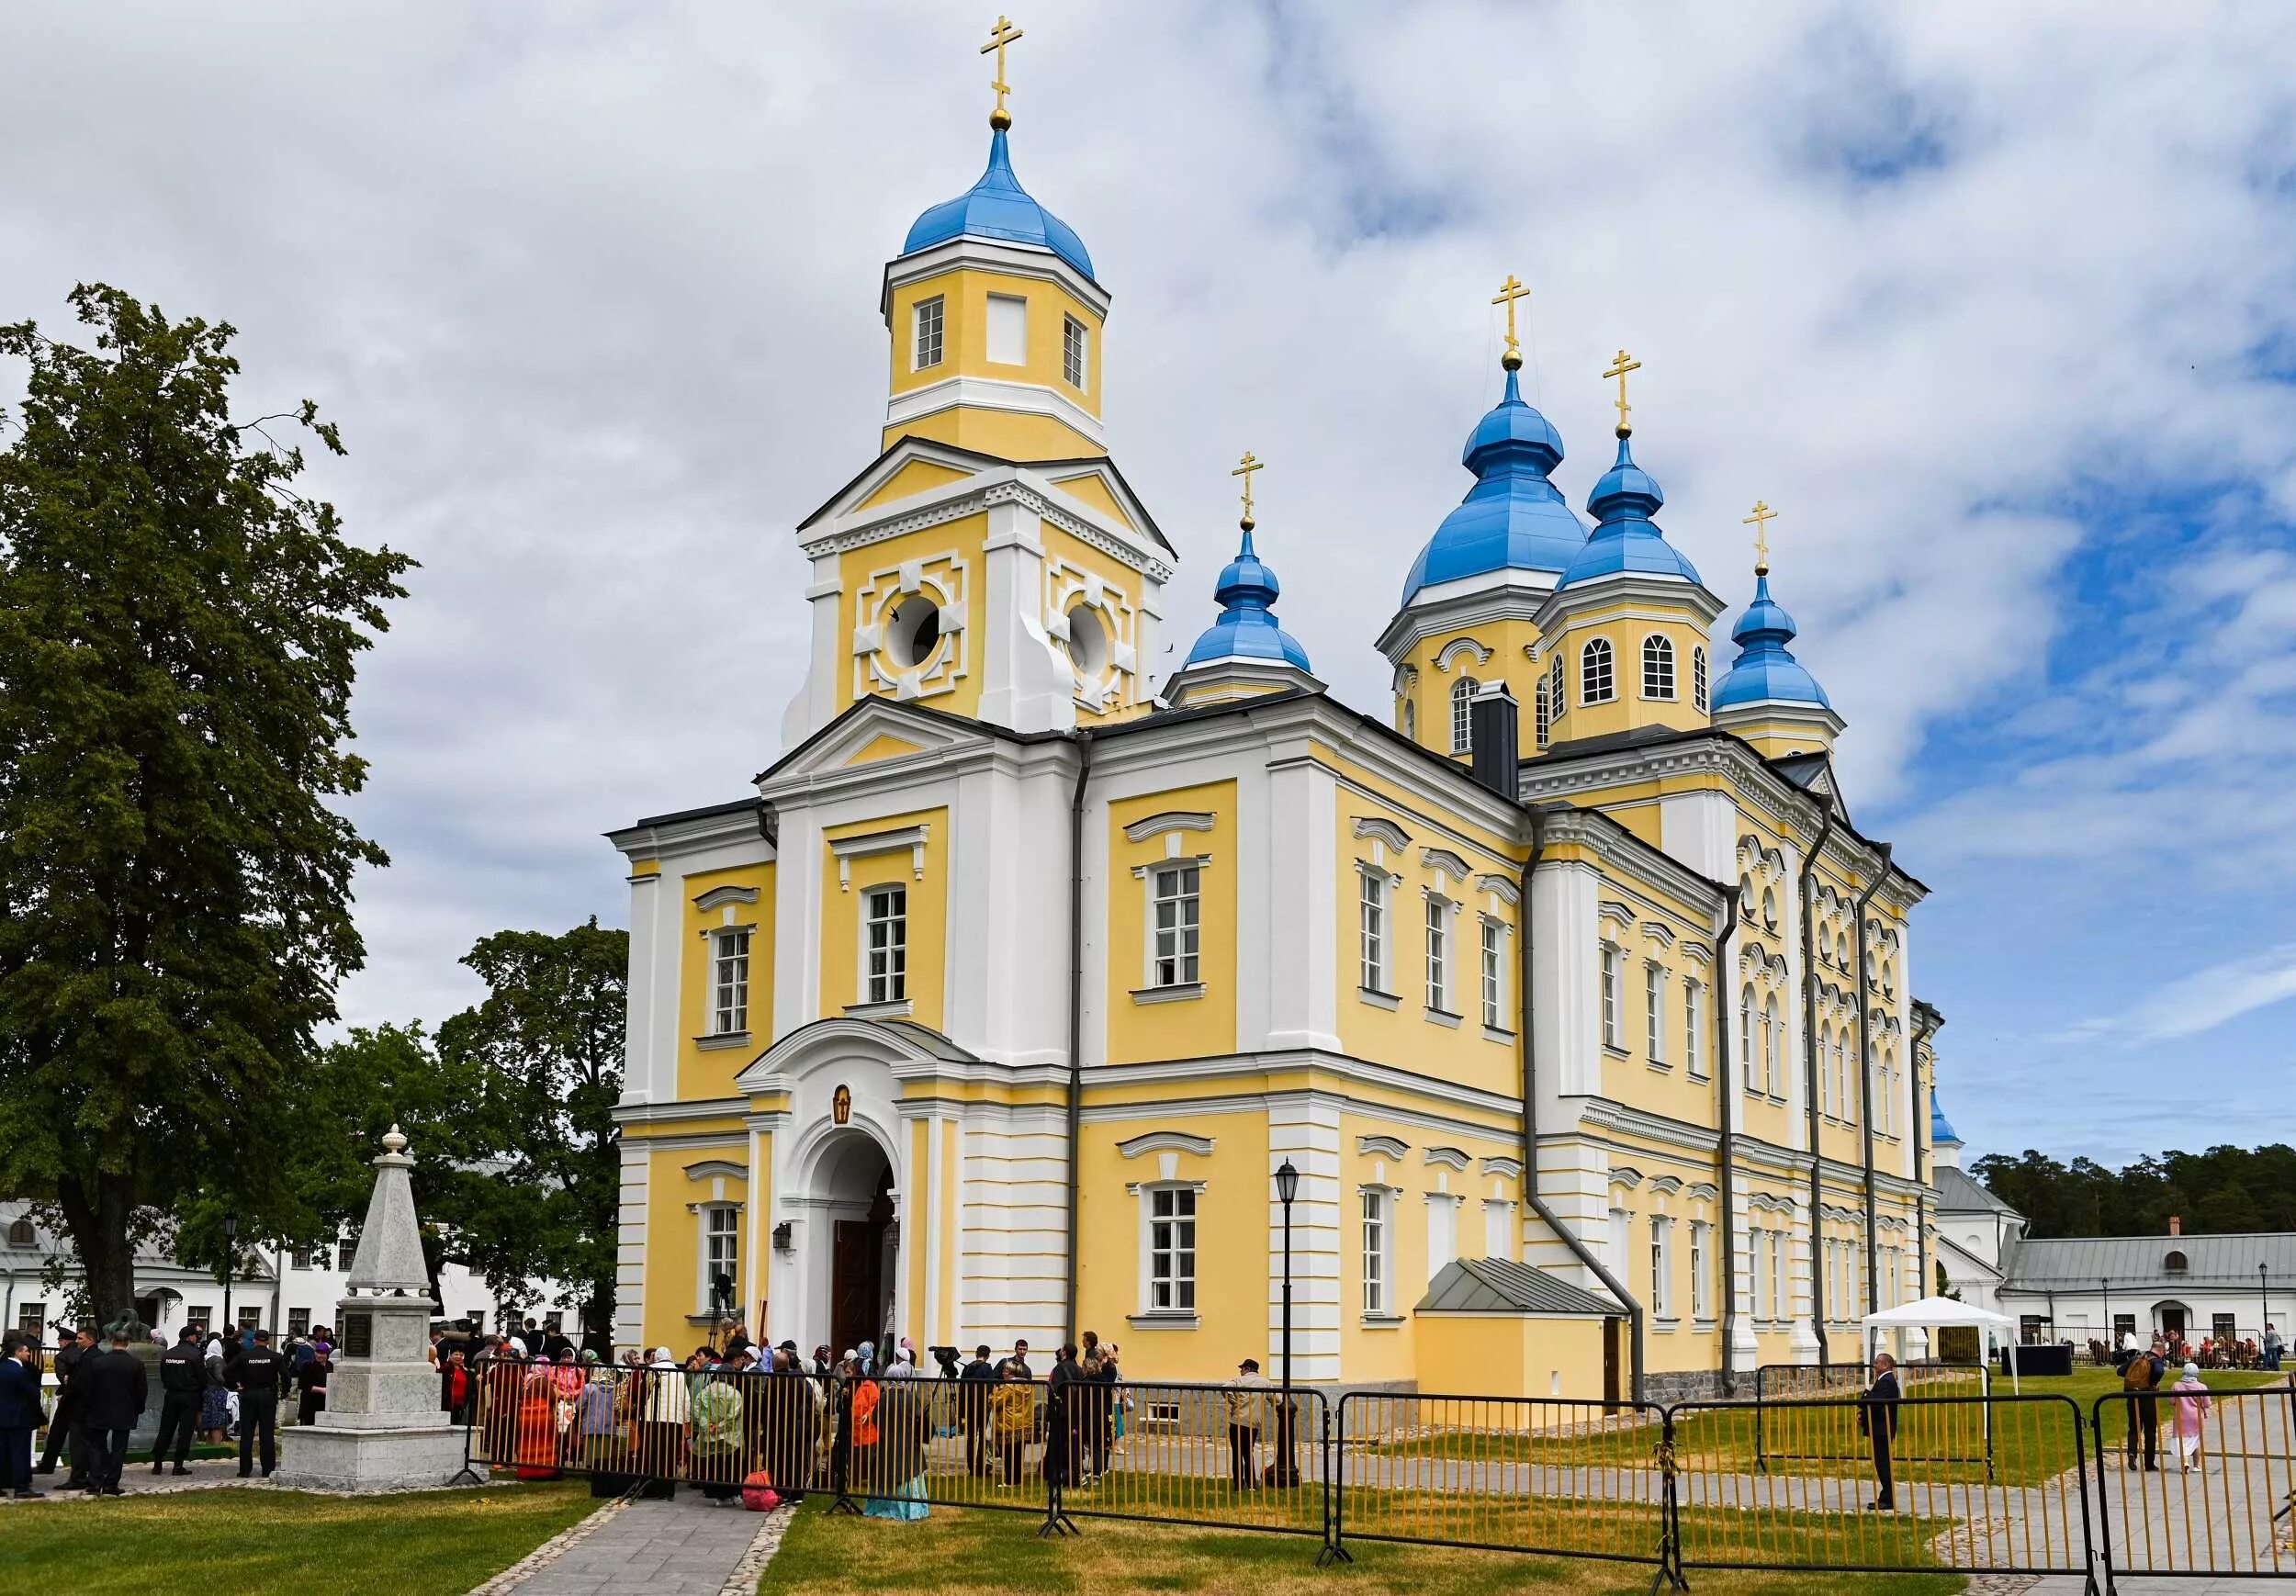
point(927, 911)
point(705, 1073)
point(916, 476)
point(673, 1237)
point(1190, 1027)
point(1626, 626)
point(1126, 590)
point(1511, 1355)
point(1429, 688)
point(882, 747)
point(965, 292)
point(963, 538)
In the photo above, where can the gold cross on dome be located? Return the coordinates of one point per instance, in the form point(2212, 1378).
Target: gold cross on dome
point(1619, 368)
point(1760, 521)
point(1001, 35)
point(1509, 292)
point(1244, 469)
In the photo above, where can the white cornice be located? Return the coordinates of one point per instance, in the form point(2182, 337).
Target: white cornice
point(1006, 260)
point(988, 393)
point(654, 839)
point(1672, 593)
point(949, 501)
point(1469, 602)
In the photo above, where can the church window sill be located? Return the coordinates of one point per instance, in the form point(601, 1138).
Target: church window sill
point(1493, 1033)
point(1163, 1321)
point(899, 1009)
point(723, 1038)
point(1665, 1326)
point(1444, 1017)
point(1182, 992)
point(1661, 1066)
point(1383, 1321)
point(1378, 999)
point(1614, 1050)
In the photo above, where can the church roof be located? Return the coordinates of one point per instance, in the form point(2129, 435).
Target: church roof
point(996, 208)
point(1502, 1285)
point(2077, 1263)
point(1626, 540)
point(1513, 517)
point(1246, 628)
point(1766, 670)
point(1962, 1193)
point(1941, 1127)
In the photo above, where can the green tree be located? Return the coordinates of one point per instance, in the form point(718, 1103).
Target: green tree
point(178, 631)
point(538, 1067)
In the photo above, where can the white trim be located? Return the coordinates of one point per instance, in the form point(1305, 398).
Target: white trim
point(717, 896)
point(1169, 820)
point(1449, 1157)
point(1165, 1142)
point(1376, 1146)
point(849, 848)
point(988, 393)
point(1386, 830)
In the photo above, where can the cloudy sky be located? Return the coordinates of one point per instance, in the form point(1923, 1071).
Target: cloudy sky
point(1995, 304)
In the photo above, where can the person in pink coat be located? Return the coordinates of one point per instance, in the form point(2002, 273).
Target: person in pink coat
point(2193, 1412)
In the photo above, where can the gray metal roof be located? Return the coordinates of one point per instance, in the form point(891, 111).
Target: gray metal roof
point(2077, 1262)
point(1957, 1192)
point(1501, 1286)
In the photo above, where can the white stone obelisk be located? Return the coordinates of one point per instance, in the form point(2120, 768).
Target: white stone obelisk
point(383, 1428)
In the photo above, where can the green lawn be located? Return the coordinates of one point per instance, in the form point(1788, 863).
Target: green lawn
point(955, 1551)
point(256, 1543)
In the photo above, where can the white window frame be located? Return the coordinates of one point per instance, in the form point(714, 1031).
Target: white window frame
point(1757, 1261)
point(1443, 1231)
point(1612, 978)
point(1438, 960)
point(928, 323)
point(1542, 717)
point(1772, 1048)
point(1598, 672)
point(1746, 1040)
point(729, 980)
point(1182, 966)
point(1558, 700)
point(1372, 928)
point(1694, 1030)
point(1845, 1106)
point(1462, 714)
point(1499, 1229)
point(890, 985)
point(1662, 1266)
point(716, 1222)
point(1006, 313)
point(1494, 973)
point(1658, 668)
point(1171, 1283)
point(1075, 352)
point(1654, 1011)
point(1698, 679)
point(1375, 1250)
point(1701, 1294)
point(1779, 1310)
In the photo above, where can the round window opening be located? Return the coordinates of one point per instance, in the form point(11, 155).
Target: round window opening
point(1087, 641)
point(914, 631)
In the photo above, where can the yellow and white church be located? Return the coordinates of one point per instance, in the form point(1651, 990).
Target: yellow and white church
point(1567, 986)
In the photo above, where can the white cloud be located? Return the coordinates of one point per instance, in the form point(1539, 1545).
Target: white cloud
point(2207, 998)
point(592, 290)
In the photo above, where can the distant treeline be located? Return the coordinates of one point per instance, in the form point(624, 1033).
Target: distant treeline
point(2224, 1189)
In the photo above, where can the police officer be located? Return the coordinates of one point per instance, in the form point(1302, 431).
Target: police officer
point(184, 1383)
point(64, 1426)
point(112, 1389)
point(259, 1374)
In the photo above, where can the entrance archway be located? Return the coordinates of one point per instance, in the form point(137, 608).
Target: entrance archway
point(853, 1186)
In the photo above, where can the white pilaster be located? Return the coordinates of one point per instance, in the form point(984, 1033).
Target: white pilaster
point(1294, 924)
point(1565, 1017)
point(1304, 1127)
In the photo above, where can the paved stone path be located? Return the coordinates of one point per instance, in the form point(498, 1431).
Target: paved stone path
point(685, 1547)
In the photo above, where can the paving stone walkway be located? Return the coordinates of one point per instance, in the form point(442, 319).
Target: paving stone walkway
point(685, 1547)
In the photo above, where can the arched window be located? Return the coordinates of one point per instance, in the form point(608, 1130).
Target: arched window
point(1658, 666)
point(1746, 1036)
point(1772, 1040)
point(1554, 702)
point(1698, 679)
point(1541, 718)
point(1845, 1106)
point(1842, 950)
point(2174, 1264)
point(1462, 694)
point(1409, 720)
point(1770, 908)
point(1825, 1080)
point(20, 1234)
point(1596, 682)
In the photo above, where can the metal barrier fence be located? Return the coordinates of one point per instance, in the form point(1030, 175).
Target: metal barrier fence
point(1672, 1488)
point(2022, 1511)
point(2185, 1489)
point(1545, 1475)
point(1786, 1430)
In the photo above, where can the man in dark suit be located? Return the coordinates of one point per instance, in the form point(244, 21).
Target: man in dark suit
point(1877, 1420)
point(978, 1379)
point(63, 1426)
point(259, 1374)
point(19, 1414)
point(184, 1386)
point(112, 1388)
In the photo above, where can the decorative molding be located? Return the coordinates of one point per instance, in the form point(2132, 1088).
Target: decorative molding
point(1165, 1142)
point(1169, 820)
point(1458, 645)
point(1386, 830)
point(847, 849)
point(1627, 1175)
point(1653, 931)
point(1666, 1184)
point(1444, 860)
point(1508, 1168)
point(990, 393)
point(717, 1168)
point(1504, 888)
point(1449, 1157)
point(1615, 914)
point(1381, 1146)
point(717, 897)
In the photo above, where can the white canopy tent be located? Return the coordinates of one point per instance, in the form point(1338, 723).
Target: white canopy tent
point(1931, 1312)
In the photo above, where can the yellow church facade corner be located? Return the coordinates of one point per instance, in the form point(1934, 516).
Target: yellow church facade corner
point(1564, 980)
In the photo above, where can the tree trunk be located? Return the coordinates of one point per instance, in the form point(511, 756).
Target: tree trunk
point(99, 1222)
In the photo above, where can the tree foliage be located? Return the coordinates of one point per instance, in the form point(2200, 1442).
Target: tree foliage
point(178, 632)
point(2223, 1190)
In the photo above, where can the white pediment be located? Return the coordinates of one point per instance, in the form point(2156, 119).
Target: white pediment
point(835, 746)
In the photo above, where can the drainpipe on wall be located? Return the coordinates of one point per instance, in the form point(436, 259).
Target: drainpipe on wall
point(1729, 1227)
point(1076, 1012)
point(1554, 1222)
point(1810, 1067)
point(1865, 1083)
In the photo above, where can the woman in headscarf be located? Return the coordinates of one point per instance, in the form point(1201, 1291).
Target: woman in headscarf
point(788, 1427)
point(537, 1442)
point(595, 1419)
point(665, 1407)
point(717, 1438)
point(215, 1401)
point(904, 1423)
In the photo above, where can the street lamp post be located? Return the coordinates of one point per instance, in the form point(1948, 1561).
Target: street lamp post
point(1286, 1188)
point(231, 1268)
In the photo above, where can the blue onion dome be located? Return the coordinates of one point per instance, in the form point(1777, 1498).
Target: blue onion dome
point(1625, 539)
point(998, 207)
point(1766, 670)
point(1513, 517)
point(1941, 1128)
point(1246, 628)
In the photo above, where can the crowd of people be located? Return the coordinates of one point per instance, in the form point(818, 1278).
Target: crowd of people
point(2209, 1353)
